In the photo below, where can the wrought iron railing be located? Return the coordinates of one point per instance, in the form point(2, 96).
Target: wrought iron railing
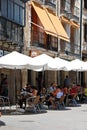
point(37, 40)
point(71, 49)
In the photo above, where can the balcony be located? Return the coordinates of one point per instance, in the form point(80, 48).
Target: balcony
point(39, 40)
point(68, 49)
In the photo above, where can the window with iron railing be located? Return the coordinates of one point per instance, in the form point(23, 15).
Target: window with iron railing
point(48, 42)
point(71, 49)
point(75, 49)
point(37, 38)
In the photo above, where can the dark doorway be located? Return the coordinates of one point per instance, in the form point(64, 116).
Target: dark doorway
point(40, 80)
point(29, 76)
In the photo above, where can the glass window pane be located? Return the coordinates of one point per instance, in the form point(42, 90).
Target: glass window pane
point(10, 9)
point(4, 8)
point(21, 16)
point(16, 13)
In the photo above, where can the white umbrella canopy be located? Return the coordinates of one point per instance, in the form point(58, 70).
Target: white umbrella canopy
point(15, 60)
point(41, 61)
point(59, 64)
point(84, 68)
point(77, 65)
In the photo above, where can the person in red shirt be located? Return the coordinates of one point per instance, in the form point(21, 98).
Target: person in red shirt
point(73, 94)
point(73, 91)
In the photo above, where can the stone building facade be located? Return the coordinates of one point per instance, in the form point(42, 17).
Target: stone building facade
point(12, 21)
point(39, 42)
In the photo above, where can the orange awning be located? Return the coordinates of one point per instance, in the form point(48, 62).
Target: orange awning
point(74, 24)
point(50, 22)
point(65, 19)
point(57, 25)
point(48, 27)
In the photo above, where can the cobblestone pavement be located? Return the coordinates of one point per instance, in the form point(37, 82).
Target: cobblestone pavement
point(72, 118)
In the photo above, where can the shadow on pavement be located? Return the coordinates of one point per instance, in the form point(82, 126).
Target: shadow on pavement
point(21, 112)
point(71, 105)
point(32, 112)
point(61, 109)
point(2, 123)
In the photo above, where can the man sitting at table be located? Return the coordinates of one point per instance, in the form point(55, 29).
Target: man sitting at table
point(26, 92)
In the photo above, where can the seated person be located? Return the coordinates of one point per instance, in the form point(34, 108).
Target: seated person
point(25, 93)
point(59, 95)
point(55, 95)
point(80, 92)
point(83, 95)
point(43, 91)
point(73, 91)
point(73, 94)
point(85, 92)
point(52, 88)
point(65, 91)
point(34, 91)
point(57, 89)
point(51, 95)
point(22, 98)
